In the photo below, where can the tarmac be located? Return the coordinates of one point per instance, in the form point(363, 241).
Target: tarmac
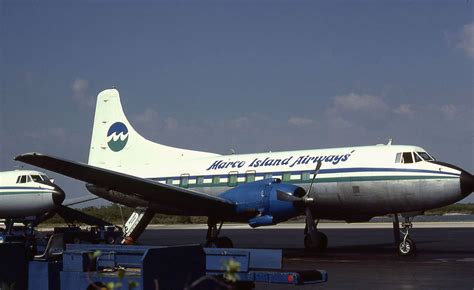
point(359, 256)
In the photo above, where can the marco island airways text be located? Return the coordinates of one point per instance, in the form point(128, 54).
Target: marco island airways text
point(289, 161)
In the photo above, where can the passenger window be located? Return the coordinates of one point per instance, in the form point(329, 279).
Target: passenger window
point(216, 179)
point(286, 176)
point(184, 182)
point(169, 181)
point(407, 158)
point(398, 158)
point(305, 176)
point(200, 180)
point(268, 175)
point(232, 180)
point(250, 176)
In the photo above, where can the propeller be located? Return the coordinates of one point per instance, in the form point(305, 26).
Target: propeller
point(301, 198)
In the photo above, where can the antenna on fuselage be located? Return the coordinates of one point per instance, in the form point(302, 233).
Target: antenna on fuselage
point(390, 140)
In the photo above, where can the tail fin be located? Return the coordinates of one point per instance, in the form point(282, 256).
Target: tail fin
point(116, 145)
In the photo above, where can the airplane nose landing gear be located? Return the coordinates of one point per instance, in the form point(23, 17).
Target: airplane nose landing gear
point(406, 246)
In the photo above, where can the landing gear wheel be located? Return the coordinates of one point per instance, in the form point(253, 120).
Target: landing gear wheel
point(221, 242)
point(319, 245)
point(406, 247)
point(224, 242)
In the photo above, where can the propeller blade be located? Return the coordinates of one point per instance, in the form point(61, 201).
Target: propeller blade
point(316, 171)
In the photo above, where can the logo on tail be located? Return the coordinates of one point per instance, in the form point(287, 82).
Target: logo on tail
point(118, 136)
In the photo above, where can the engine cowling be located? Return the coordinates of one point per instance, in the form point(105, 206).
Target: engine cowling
point(263, 197)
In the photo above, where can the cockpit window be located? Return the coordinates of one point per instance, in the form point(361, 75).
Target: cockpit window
point(425, 156)
point(417, 157)
point(45, 178)
point(36, 178)
point(407, 157)
point(398, 158)
point(23, 179)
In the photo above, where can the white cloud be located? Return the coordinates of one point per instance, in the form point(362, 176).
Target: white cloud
point(300, 122)
point(404, 109)
point(240, 122)
point(148, 117)
point(466, 40)
point(359, 103)
point(450, 111)
point(171, 123)
point(80, 88)
point(55, 133)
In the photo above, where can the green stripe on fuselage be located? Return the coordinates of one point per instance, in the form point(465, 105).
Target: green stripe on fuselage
point(338, 179)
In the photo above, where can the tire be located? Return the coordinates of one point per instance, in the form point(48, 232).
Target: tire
point(224, 242)
point(319, 245)
point(406, 248)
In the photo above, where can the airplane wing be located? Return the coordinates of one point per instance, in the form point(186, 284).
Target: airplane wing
point(185, 201)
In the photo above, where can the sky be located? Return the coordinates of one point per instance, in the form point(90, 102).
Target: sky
point(250, 76)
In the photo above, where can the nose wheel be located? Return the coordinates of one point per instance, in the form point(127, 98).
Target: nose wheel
point(406, 246)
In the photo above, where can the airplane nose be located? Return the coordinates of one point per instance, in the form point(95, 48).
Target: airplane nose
point(467, 183)
point(58, 195)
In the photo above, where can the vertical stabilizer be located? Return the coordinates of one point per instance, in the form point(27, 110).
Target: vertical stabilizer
point(117, 146)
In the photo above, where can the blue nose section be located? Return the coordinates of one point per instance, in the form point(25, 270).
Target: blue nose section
point(467, 183)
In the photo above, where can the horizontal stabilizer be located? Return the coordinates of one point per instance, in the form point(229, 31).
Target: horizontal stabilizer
point(184, 201)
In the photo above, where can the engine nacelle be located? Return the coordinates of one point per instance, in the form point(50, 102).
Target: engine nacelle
point(262, 197)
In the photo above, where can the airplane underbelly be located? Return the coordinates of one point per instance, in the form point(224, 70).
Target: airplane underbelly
point(383, 197)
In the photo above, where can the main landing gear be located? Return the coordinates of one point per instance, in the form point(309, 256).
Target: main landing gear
point(314, 240)
point(406, 246)
point(212, 237)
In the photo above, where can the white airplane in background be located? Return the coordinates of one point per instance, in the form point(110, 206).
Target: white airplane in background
point(351, 183)
point(30, 197)
point(27, 193)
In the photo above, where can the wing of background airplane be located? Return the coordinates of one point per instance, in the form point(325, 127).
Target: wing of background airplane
point(185, 201)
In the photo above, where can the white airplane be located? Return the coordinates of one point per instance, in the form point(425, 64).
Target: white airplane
point(351, 183)
point(27, 193)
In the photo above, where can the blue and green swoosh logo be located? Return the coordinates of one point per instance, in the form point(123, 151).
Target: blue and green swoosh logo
point(117, 136)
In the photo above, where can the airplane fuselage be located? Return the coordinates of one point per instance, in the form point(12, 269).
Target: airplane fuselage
point(354, 183)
